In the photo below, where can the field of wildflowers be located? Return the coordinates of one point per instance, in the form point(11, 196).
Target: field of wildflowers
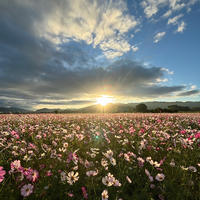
point(100, 156)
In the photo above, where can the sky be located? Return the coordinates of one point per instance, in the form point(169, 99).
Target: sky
point(67, 53)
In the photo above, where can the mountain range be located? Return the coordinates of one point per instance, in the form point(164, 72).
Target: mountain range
point(117, 107)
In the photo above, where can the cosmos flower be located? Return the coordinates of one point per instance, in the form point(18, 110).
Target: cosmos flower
point(63, 176)
point(116, 183)
point(108, 154)
point(85, 195)
point(113, 161)
point(65, 145)
point(148, 159)
point(2, 173)
point(108, 180)
point(104, 162)
point(127, 157)
point(49, 173)
point(26, 190)
point(160, 177)
point(104, 195)
point(33, 175)
point(72, 177)
point(15, 164)
point(92, 173)
point(192, 169)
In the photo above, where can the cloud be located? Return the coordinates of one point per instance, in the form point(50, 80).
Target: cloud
point(181, 27)
point(175, 19)
point(135, 48)
point(63, 103)
point(155, 8)
point(193, 87)
point(151, 7)
point(50, 77)
point(189, 93)
point(65, 51)
point(102, 24)
point(167, 13)
point(176, 4)
point(168, 71)
point(159, 36)
point(161, 80)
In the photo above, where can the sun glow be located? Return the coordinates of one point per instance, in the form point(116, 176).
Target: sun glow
point(104, 100)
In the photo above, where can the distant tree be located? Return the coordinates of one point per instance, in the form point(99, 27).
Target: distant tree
point(176, 108)
point(158, 110)
point(141, 108)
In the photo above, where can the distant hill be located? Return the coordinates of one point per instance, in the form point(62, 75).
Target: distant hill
point(13, 110)
point(156, 104)
point(120, 107)
point(47, 110)
point(111, 108)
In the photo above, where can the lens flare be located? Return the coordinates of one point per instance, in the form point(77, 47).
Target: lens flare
point(104, 100)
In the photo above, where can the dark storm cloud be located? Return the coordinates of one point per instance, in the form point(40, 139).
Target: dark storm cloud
point(33, 68)
point(189, 93)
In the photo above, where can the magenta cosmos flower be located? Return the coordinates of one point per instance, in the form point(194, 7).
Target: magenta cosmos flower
point(2, 173)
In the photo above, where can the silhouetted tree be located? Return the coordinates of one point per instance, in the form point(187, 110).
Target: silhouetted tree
point(141, 108)
point(177, 108)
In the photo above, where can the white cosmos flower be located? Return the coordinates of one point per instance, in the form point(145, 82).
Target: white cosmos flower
point(104, 195)
point(108, 154)
point(113, 161)
point(63, 176)
point(160, 177)
point(192, 169)
point(72, 177)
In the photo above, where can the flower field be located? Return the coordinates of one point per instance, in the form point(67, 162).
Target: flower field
point(100, 156)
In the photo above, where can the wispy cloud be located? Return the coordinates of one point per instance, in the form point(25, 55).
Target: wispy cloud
point(174, 20)
point(151, 8)
point(159, 36)
point(135, 48)
point(181, 27)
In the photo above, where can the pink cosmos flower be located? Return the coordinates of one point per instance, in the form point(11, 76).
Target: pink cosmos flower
point(183, 131)
point(15, 164)
point(49, 173)
point(2, 173)
point(72, 157)
point(26, 190)
point(197, 135)
point(33, 176)
point(15, 134)
point(85, 195)
point(70, 194)
point(27, 172)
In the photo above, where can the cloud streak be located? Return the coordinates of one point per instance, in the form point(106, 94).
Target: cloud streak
point(189, 93)
point(159, 36)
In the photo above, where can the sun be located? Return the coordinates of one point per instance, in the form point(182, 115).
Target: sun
point(104, 100)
